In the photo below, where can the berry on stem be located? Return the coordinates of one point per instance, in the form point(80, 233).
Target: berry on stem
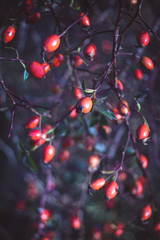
point(46, 67)
point(36, 70)
point(138, 74)
point(89, 51)
point(98, 183)
point(143, 161)
point(75, 222)
point(8, 34)
point(77, 94)
point(110, 190)
point(63, 155)
point(57, 60)
point(142, 38)
point(84, 105)
point(33, 18)
point(123, 107)
point(73, 112)
point(77, 61)
point(48, 153)
point(32, 122)
point(84, 21)
point(44, 215)
point(147, 63)
point(142, 132)
point(51, 43)
point(34, 134)
point(146, 212)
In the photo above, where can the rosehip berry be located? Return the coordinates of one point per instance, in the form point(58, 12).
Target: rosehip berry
point(122, 175)
point(57, 60)
point(106, 129)
point(89, 143)
point(138, 74)
point(147, 63)
point(34, 134)
point(89, 51)
point(56, 89)
point(73, 112)
point(116, 113)
point(77, 61)
point(98, 183)
point(123, 107)
point(157, 227)
point(110, 190)
point(46, 128)
point(27, 6)
point(67, 142)
point(63, 155)
point(75, 222)
point(142, 132)
point(146, 212)
point(8, 34)
point(39, 142)
point(137, 189)
point(96, 234)
point(32, 122)
point(48, 153)
point(84, 21)
point(77, 93)
point(44, 215)
point(33, 18)
point(119, 84)
point(46, 67)
point(84, 105)
point(143, 161)
point(93, 161)
point(51, 43)
point(142, 38)
point(36, 70)
point(119, 230)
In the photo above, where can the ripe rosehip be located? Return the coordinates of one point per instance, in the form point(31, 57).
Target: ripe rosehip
point(46, 128)
point(39, 142)
point(89, 143)
point(84, 105)
point(110, 190)
point(44, 215)
point(98, 183)
point(27, 6)
point(142, 132)
point(63, 155)
point(117, 115)
point(93, 161)
point(32, 122)
point(143, 160)
point(89, 51)
point(56, 89)
point(122, 175)
point(106, 128)
point(51, 43)
point(8, 34)
point(36, 70)
point(119, 230)
point(119, 84)
point(146, 212)
point(138, 74)
point(84, 21)
point(157, 227)
point(33, 18)
point(34, 134)
point(67, 142)
point(73, 112)
point(77, 61)
point(147, 63)
point(123, 107)
point(137, 188)
point(75, 222)
point(77, 93)
point(57, 60)
point(142, 38)
point(46, 67)
point(48, 153)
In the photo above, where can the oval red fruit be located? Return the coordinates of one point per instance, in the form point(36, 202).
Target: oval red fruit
point(34, 134)
point(63, 155)
point(51, 43)
point(33, 18)
point(8, 34)
point(44, 215)
point(77, 61)
point(75, 222)
point(142, 132)
point(93, 161)
point(142, 38)
point(77, 93)
point(72, 111)
point(146, 212)
point(147, 63)
point(57, 60)
point(111, 190)
point(32, 122)
point(48, 153)
point(67, 142)
point(46, 67)
point(36, 70)
point(143, 161)
point(84, 105)
point(84, 21)
point(98, 183)
point(138, 74)
point(89, 51)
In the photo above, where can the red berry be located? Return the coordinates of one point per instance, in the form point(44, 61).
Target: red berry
point(111, 190)
point(122, 175)
point(93, 161)
point(57, 60)
point(56, 89)
point(51, 43)
point(137, 188)
point(73, 113)
point(142, 132)
point(77, 93)
point(27, 6)
point(89, 143)
point(143, 38)
point(8, 34)
point(46, 67)
point(34, 134)
point(138, 74)
point(36, 70)
point(46, 128)
point(67, 142)
point(144, 161)
point(32, 122)
point(77, 61)
point(146, 212)
point(33, 18)
point(48, 153)
point(117, 115)
point(63, 155)
point(89, 51)
point(44, 215)
point(84, 21)
point(39, 142)
point(98, 183)
point(119, 85)
point(75, 222)
point(157, 227)
point(106, 129)
point(84, 105)
point(123, 107)
point(147, 63)
point(119, 229)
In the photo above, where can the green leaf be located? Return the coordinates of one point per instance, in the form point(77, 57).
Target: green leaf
point(87, 90)
point(107, 172)
point(83, 85)
point(22, 147)
point(17, 54)
point(130, 150)
point(25, 75)
point(78, 49)
point(141, 94)
point(138, 105)
point(106, 113)
point(145, 122)
point(100, 100)
point(71, 3)
point(30, 160)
